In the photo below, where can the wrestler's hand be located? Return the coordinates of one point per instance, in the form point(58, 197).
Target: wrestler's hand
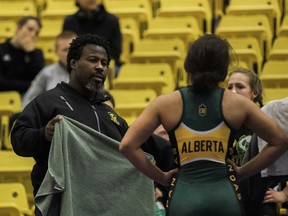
point(50, 127)
point(235, 168)
point(273, 196)
point(168, 177)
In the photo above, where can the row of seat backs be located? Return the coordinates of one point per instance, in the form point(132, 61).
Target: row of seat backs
point(10, 103)
point(159, 27)
point(129, 103)
point(16, 171)
point(142, 9)
point(274, 74)
point(13, 200)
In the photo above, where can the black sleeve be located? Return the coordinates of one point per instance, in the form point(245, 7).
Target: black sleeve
point(116, 42)
point(28, 135)
point(68, 24)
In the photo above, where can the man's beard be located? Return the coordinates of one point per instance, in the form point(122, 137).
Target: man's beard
point(95, 86)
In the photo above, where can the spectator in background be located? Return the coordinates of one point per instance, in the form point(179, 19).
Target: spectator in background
point(52, 74)
point(245, 82)
point(92, 17)
point(20, 60)
point(276, 173)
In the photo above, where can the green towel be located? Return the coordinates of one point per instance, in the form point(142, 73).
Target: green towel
point(87, 175)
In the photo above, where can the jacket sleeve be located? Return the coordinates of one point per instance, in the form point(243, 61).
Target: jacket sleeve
point(116, 42)
point(28, 134)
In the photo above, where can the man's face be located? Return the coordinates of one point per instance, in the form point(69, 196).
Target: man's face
point(88, 4)
point(62, 46)
point(90, 71)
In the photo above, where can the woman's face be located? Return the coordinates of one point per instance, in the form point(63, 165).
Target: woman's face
point(239, 84)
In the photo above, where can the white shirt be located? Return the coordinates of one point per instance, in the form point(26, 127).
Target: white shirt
point(45, 80)
point(278, 110)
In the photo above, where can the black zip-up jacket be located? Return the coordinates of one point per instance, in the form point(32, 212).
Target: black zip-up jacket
point(18, 68)
point(102, 23)
point(28, 134)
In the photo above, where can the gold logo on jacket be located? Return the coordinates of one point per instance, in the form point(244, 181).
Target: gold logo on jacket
point(113, 118)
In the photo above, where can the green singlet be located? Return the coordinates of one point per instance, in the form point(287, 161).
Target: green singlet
point(205, 185)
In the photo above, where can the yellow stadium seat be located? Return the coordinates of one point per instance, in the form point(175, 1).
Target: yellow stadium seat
point(185, 28)
point(279, 49)
point(10, 102)
point(156, 76)
point(14, 168)
point(269, 8)
point(140, 10)
point(283, 30)
point(231, 68)
point(7, 29)
point(217, 7)
point(47, 45)
point(130, 103)
point(51, 28)
point(16, 9)
point(4, 133)
point(200, 9)
point(110, 75)
point(257, 26)
point(9, 209)
point(282, 6)
point(275, 74)
point(58, 9)
point(130, 36)
point(155, 4)
point(248, 50)
point(274, 94)
point(15, 193)
point(171, 51)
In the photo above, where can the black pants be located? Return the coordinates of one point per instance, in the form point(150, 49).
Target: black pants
point(270, 209)
point(253, 201)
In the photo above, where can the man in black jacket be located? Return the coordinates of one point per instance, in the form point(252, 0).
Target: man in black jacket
point(81, 99)
point(92, 17)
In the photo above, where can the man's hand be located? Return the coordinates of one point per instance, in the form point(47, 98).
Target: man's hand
point(273, 196)
point(50, 127)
